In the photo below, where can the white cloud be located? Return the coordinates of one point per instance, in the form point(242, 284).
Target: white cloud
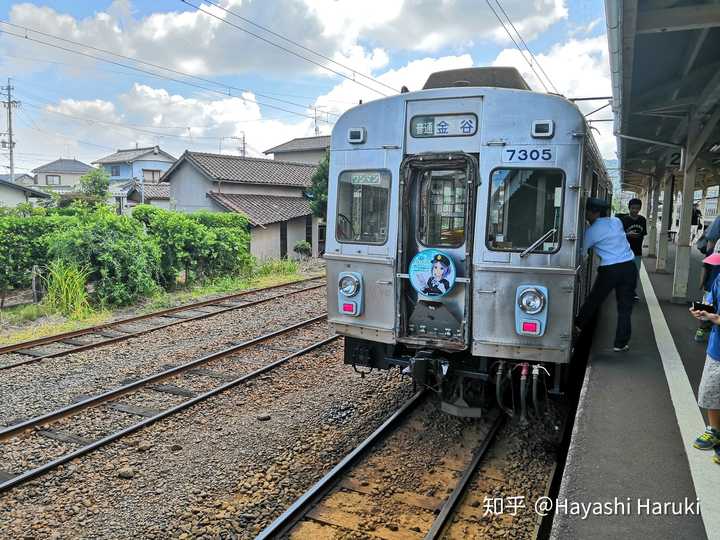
point(413, 75)
point(578, 68)
point(428, 25)
point(188, 41)
point(146, 115)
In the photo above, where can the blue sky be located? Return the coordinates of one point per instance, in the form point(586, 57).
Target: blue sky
point(396, 42)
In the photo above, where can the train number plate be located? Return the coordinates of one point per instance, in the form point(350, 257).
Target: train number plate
point(528, 154)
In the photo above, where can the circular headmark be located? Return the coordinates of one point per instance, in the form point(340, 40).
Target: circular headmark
point(432, 273)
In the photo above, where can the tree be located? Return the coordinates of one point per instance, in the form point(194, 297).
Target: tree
point(319, 190)
point(96, 183)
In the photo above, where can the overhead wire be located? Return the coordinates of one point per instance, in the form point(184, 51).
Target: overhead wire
point(502, 23)
point(281, 47)
point(157, 66)
point(526, 47)
point(299, 45)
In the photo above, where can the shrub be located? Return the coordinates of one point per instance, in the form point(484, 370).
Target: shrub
point(203, 244)
point(123, 259)
point(303, 247)
point(65, 289)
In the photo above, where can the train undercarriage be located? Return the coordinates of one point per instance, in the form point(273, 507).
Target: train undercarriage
point(464, 385)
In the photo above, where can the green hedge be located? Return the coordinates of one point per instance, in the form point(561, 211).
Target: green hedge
point(127, 257)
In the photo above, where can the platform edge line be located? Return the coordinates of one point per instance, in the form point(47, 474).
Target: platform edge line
point(687, 412)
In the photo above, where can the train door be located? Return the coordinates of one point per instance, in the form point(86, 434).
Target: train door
point(435, 250)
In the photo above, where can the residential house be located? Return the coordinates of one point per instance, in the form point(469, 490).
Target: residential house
point(153, 193)
point(128, 165)
point(61, 175)
point(12, 194)
point(269, 193)
point(22, 179)
point(301, 150)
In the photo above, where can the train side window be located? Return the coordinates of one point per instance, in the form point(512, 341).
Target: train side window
point(525, 209)
point(363, 207)
point(441, 219)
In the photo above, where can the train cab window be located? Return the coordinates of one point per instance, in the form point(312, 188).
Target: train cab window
point(525, 209)
point(441, 220)
point(362, 207)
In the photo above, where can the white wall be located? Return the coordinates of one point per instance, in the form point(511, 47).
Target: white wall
point(188, 190)
point(11, 197)
point(252, 189)
point(265, 243)
point(312, 157)
point(295, 233)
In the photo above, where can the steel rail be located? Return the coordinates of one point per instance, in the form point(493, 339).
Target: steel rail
point(95, 329)
point(448, 508)
point(37, 421)
point(283, 524)
point(34, 473)
point(89, 330)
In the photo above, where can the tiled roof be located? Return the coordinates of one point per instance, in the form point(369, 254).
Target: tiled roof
point(263, 209)
point(302, 144)
point(68, 166)
point(244, 170)
point(18, 177)
point(130, 154)
point(153, 191)
point(31, 192)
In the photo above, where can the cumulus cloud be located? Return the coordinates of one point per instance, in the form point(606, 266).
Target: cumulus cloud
point(578, 68)
point(190, 41)
point(146, 115)
point(428, 25)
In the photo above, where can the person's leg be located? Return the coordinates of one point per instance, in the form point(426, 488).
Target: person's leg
point(637, 260)
point(600, 289)
point(709, 398)
point(625, 281)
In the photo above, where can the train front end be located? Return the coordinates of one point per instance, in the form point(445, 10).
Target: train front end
point(452, 246)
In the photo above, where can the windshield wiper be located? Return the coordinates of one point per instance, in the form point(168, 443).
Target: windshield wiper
point(537, 242)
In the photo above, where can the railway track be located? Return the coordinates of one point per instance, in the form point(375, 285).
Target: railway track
point(375, 493)
point(96, 336)
point(48, 441)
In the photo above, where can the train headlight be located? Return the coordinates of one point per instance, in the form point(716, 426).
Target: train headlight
point(531, 301)
point(349, 285)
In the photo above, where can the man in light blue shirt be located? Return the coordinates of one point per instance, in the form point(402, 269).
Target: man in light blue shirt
point(606, 236)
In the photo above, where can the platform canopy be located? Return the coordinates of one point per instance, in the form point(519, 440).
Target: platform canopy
point(665, 60)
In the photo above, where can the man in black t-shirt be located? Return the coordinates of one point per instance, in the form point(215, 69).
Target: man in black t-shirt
point(695, 223)
point(635, 229)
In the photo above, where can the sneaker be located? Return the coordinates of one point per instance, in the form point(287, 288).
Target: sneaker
point(636, 298)
point(708, 440)
point(700, 336)
point(622, 349)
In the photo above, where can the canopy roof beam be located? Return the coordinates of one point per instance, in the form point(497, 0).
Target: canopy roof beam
point(678, 18)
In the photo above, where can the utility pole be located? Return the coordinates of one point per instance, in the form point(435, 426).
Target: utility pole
point(317, 129)
point(9, 104)
point(241, 147)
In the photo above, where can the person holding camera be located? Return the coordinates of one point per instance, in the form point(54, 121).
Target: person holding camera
point(709, 389)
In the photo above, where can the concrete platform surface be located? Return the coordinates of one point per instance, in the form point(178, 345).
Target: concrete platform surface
point(631, 472)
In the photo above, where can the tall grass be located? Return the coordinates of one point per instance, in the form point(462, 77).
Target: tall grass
point(65, 286)
point(277, 267)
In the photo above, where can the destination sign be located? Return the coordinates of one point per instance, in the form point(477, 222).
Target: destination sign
point(448, 125)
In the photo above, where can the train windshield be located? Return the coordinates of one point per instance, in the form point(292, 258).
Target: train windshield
point(442, 208)
point(362, 207)
point(525, 210)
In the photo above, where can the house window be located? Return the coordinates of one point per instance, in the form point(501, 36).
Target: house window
point(52, 179)
point(151, 175)
point(115, 170)
point(308, 229)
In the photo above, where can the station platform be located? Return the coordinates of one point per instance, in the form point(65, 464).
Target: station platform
point(631, 450)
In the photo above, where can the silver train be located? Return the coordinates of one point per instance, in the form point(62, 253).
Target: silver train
point(454, 231)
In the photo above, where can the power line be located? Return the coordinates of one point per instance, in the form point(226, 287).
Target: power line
point(526, 46)
point(289, 51)
point(300, 45)
point(152, 74)
point(502, 23)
